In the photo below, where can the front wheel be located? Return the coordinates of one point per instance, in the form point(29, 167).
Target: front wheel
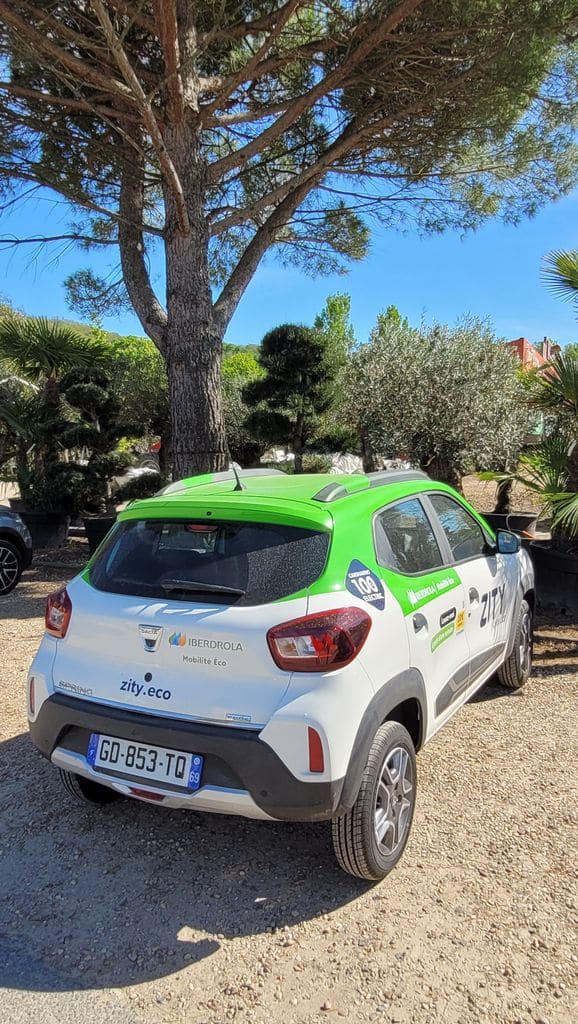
point(369, 840)
point(517, 667)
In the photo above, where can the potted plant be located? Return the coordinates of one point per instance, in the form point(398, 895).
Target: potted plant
point(551, 471)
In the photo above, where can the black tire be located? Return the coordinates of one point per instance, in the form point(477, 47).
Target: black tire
point(355, 834)
point(516, 670)
point(11, 566)
point(86, 790)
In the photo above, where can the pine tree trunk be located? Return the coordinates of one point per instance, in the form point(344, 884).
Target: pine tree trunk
point(193, 343)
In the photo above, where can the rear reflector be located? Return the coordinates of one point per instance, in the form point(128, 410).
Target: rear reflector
point(316, 761)
point(145, 794)
point(320, 642)
point(31, 696)
point(58, 612)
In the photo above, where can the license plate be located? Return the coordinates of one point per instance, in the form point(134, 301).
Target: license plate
point(157, 764)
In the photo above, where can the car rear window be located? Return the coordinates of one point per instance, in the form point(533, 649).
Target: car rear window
point(222, 562)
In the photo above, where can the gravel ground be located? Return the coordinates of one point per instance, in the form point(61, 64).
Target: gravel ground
point(134, 913)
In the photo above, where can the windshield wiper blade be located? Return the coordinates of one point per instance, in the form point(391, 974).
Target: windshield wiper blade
point(196, 587)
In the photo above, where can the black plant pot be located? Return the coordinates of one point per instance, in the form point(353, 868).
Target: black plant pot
point(556, 578)
point(515, 522)
point(47, 529)
point(96, 529)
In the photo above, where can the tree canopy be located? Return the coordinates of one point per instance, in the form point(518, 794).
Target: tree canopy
point(447, 398)
point(218, 132)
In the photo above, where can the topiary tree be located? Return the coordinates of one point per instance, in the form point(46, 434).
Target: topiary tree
point(448, 399)
point(98, 429)
point(298, 386)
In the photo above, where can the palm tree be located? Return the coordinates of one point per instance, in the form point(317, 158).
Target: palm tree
point(37, 352)
point(41, 350)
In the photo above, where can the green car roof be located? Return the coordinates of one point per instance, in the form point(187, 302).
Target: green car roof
point(319, 499)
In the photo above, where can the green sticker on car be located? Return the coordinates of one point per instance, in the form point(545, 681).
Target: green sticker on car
point(443, 635)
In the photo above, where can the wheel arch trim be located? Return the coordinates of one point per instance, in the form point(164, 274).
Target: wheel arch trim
point(407, 686)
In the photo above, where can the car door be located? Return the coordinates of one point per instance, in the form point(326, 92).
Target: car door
point(489, 579)
point(432, 599)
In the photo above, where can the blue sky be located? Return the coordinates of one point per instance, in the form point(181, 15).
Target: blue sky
point(493, 273)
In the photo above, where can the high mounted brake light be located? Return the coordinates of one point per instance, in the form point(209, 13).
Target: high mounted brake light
point(321, 642)
point(58, 612)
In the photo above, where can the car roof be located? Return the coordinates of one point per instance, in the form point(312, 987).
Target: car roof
point(314, 500)
point(319, 498)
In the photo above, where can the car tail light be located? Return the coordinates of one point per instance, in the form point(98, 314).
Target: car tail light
point(58, 612)
point(320, 642)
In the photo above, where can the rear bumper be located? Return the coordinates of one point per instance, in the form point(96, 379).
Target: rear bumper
point(241, 774)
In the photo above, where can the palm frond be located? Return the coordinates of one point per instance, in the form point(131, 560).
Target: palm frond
point(556, 389)
point(561, 273)
point(565, 512)
point(38, 348)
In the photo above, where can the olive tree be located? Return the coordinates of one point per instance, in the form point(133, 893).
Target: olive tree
point(447, 398)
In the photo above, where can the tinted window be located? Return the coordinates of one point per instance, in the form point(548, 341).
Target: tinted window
point(405, 540)
point(464, 534)
point(253, 563)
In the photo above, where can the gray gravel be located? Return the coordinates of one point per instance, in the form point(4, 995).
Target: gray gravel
point(134, 913)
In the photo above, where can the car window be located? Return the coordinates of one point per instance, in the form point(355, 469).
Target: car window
point(248, 563)
point(465, 536)
point(405, 540)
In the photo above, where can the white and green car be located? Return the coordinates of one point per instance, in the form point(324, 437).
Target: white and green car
point(280, 647)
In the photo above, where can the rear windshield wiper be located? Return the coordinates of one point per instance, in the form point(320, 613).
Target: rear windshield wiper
point(196, 587)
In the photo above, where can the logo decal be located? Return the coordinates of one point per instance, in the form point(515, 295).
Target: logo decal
point(363, 583)
point(151, 636)
point(177, 639)
point(182, 640)
point(460, 620)
point(447, 617)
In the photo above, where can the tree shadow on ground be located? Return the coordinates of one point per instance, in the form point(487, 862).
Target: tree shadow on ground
point(114, 896)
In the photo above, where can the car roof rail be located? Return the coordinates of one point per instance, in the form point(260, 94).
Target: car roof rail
point(387, 476)
point(332, 492)
point(216, 478)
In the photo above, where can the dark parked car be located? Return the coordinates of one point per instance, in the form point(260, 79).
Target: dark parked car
point(15, 549)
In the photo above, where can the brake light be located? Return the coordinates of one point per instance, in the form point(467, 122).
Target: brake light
point(320, 642)
point(58, 612)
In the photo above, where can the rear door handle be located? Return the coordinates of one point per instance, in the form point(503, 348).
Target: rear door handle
point(419, 622)
point(474, 596)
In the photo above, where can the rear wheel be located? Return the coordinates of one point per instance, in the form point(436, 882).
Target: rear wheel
point(369, 840)
point(11, 566)
point(86, 790)
point(516, 669)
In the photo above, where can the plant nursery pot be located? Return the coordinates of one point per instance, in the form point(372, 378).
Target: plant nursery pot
point(47, 529)
point(96, 529)
point(515, 522)
point(556, 578)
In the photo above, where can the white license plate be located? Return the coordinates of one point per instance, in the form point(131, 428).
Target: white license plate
point(158, 764)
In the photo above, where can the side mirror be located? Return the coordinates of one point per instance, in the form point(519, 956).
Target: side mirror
point(508, 543)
